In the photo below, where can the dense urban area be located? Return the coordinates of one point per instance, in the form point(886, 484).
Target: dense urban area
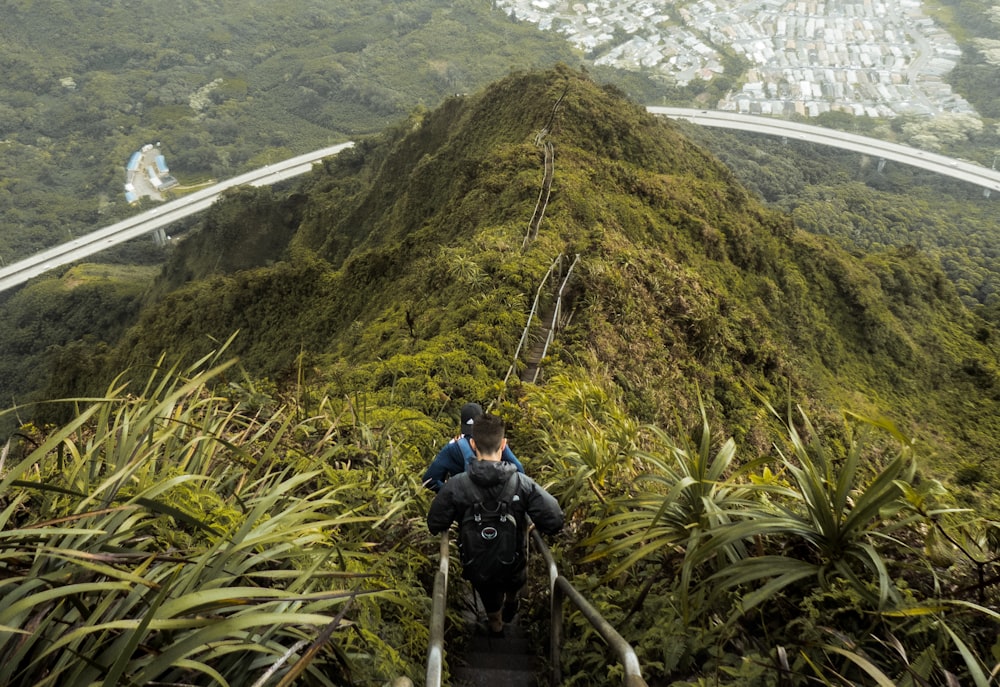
point(879, 58)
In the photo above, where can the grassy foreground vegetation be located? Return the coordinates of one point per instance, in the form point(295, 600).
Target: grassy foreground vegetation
point(826, 561)
point(731, 543)
point(178, 536)
point(205, 532)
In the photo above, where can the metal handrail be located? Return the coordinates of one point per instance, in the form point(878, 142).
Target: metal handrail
point(534, 308)
point(557, 312)
point(435, 644)
point(548, 170)
point(560, 588)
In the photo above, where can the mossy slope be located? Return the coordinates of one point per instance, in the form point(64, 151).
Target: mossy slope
point(406, 275)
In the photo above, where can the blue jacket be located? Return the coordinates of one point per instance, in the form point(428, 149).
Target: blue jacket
point(452, 459)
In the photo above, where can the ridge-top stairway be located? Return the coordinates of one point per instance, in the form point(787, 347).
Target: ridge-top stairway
point(512, 660)
point(487, 661)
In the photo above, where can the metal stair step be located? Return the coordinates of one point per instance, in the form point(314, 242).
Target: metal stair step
point(467, 677)
point(487, 645)
point(508, 661)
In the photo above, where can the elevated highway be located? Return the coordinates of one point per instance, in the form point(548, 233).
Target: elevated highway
point(958, 169)
point(65, 253)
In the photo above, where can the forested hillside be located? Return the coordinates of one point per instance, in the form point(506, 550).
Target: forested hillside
point(227, 86)
point(844, 195)
point(223, 87)
point(410, 246)
point(762, 440)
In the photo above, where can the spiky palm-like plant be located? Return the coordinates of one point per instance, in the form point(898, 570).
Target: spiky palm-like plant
point(829, 519)
point(166, 538)
point(837, 524)
point(688, 492)
point(589, 440)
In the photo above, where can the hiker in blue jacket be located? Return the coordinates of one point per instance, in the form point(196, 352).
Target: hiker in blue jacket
point(488, 479)
point(453, 458)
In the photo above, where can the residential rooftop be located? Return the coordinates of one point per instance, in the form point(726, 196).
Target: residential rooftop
point(877, 57)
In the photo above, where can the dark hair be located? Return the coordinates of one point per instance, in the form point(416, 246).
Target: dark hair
point(488, 433)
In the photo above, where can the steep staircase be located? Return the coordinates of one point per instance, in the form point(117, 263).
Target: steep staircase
point(491, 662)
point(513, 660)
point(477, 659)
point(484, 661)
point(533, 359)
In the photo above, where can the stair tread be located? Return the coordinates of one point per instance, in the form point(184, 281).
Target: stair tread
point(484, 661)
point(467, 677)
point(488, 645)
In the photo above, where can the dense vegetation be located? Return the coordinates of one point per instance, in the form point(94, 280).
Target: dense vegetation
point(679, 259)
point(228, 86)
point(844, 195)
point(223, 86)
point(221, 521)
point(189, 536)
point(233, 85)
point(976, 25)
point(731, 542)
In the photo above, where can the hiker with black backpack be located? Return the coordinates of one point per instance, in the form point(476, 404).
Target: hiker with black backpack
point(457, 453)
point(489, 501)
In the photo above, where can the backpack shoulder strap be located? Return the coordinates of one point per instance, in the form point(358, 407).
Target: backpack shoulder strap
point(476, 495)
point(468, 455)
point(510, 488)
point(508, 491)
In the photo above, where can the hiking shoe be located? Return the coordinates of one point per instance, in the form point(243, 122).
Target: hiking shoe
point(494, 624)
point(510, 609)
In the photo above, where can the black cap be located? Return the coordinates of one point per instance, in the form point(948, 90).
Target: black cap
point(470, 411)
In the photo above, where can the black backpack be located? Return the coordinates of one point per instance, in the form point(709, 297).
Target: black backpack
point(487, 538)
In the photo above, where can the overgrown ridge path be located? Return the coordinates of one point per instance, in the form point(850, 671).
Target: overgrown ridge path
point(533, 359)
point(510, 661)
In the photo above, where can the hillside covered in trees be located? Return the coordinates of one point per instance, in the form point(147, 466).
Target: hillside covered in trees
point(225, 87)
point(773, 439)
point(412, 243)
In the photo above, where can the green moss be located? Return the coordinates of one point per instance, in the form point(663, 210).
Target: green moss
point(403, 266)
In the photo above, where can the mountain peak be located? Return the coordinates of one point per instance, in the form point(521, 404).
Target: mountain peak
point(424, 249)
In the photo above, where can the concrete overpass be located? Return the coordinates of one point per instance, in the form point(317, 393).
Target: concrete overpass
point(971, 172)
point(161, 216)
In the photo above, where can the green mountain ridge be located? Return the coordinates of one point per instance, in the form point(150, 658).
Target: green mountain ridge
point(369, 300)
point(404, 266)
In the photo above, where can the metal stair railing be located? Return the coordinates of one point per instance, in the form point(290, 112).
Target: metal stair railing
point(439, 602)
point(556, 314)
point(555, 270)
point(556, 264)
point(543, 195)
point(559, 589)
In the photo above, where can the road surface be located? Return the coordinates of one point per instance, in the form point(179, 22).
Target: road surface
point(139, 225)
point(948, 166)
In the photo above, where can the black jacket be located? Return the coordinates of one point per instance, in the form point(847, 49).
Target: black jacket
point(489, 477)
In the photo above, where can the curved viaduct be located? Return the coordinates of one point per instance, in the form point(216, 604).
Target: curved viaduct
point(161, 216)
point(18, 273)
point(971, 172)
